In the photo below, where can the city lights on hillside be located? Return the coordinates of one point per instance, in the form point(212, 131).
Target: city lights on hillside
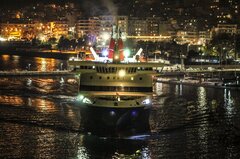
point(105, 36)
point(2, 39)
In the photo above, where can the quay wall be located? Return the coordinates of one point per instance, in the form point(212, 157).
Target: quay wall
point(37, 53)
point(35, 73)
point(197, 83)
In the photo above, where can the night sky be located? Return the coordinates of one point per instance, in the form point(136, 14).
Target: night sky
point(21, 3)
point(94, 7)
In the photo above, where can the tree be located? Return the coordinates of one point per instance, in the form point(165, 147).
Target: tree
point(73, 44)
point(223, 43)
point(52, 40)
point(192, 54)
point(36, 42)
point(64, 43)
point(61, 43)
point(237, 44)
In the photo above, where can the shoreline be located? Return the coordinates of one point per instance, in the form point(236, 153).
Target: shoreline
point(198, 84)
point(38, 53)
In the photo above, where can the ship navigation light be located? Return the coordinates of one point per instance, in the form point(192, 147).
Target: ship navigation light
point(105, 52)
point(126, 53)
point(146, 101)
point(112, 113)
point(86, 101)
point(83, 99)
point(134, 113)
point(80, 98)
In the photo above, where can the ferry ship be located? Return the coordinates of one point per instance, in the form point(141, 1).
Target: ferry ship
point(117, 86)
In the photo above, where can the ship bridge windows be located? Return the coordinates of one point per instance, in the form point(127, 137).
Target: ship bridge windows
point(101, 69)
point(145, 68)
point(86, 67)
point(148, 69)
point(129, 70)
point(113, 69)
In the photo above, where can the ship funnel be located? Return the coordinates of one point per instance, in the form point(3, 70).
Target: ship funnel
point(116, 45)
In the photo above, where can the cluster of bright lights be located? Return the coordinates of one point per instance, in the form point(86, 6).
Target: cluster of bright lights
point(2, 39)
point(42, 37)
point(105, 36)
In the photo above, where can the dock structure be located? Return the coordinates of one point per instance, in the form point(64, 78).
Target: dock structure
point(35, 73)
point(174, 73)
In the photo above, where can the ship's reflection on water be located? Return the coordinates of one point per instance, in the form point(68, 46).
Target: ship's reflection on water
point(109, 131)
point(95, 147)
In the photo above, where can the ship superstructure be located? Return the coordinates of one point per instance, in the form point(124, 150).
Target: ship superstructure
point(115, 76)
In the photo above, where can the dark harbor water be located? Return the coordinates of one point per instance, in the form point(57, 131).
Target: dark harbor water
point(42, 119)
